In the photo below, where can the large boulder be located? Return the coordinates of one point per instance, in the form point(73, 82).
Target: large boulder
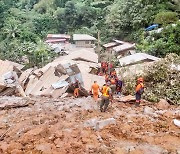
point(163, 104)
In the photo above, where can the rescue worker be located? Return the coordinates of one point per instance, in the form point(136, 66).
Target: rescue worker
point(95, 90)
point(119, 85)
point(113, 86)
point(139, 90)
point(107, 78)
point(106, 97)
point(113, 74)
point(76, 90)
point(103, 66)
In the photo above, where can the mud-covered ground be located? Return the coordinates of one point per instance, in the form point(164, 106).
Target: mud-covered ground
point(76, 126)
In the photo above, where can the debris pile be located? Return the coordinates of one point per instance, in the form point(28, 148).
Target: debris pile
point(9, 74)
point(54, 79)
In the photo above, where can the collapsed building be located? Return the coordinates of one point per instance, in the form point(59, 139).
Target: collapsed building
point(54, 79)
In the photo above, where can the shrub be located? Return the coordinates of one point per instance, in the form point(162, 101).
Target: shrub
point(165, 18)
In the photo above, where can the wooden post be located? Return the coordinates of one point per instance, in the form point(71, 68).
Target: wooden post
point(99, 50)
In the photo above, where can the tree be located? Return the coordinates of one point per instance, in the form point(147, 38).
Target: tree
point(11, 28)
point(70, 15)
point(168, 41)
point(166, 18)
point(128, 16)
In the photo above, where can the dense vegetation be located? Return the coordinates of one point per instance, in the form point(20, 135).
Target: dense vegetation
point(25, 23)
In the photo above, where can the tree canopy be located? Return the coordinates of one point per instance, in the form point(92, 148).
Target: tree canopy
point(27, 22)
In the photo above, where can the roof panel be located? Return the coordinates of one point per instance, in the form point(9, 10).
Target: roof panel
point(123, 47)
point(83, 37)
point(135, 58)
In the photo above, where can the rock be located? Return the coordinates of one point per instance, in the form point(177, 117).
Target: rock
point(7, 102)
point(163, 104)
point(128, 98)
point(95, 124)
point(176, 122)
point(91, 123)
point(168, 114)
point(44, 147)
point(148, 111)
point(106, 122)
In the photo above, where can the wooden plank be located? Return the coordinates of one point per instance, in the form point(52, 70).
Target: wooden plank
point(31, 84)
point(25, 75)
point(8, 91)
point(58, 92)
point(5, 67)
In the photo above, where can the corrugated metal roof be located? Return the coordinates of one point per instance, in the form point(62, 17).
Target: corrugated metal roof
point(124, 47)
point(59, 36)
point(83, 37)
point(82, 55)
point(121, 42)
point(136, 58)
point(111, 44)
point(55, 40)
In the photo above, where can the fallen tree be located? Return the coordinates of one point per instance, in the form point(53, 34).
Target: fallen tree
point(161, 80)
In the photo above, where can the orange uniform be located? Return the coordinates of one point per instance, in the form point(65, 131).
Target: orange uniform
point(95, 91)
point(113, 81)
point(76, 92)
point(139, 86)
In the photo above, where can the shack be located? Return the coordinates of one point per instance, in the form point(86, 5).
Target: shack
point(57, 38)
point(124, 49)
point(84, 40)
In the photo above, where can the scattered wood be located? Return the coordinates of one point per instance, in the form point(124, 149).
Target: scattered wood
point(4, 134)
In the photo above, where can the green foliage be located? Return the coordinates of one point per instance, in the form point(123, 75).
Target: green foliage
point(126, 16)
point(31, 20)
point(160, 44)
point(166, 18)
point(38, 54)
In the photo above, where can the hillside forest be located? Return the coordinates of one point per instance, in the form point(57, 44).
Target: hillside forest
point(24, 25)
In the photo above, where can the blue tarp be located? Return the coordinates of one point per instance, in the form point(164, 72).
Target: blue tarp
point(151, 27)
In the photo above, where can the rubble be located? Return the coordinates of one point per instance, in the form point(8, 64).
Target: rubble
point(13, 102)
point(150, 111)
point(163, 104)
point(99, 124)
point(9, 74)
point(54, 79)
point(128, 98)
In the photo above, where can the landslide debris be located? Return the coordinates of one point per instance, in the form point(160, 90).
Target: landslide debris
point(65, 126)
